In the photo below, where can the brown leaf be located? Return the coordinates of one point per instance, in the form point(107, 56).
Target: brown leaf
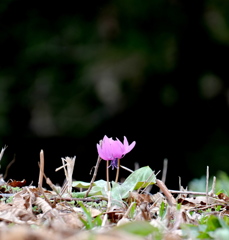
point(223, 197)
point(186, 202)
point(14, 183)
point(139, 198)
point(3, 190)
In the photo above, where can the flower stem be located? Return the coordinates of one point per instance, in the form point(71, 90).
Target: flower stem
point(107, 173)
point(117, 171)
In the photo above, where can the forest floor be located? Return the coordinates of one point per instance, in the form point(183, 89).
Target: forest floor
point(110, 210)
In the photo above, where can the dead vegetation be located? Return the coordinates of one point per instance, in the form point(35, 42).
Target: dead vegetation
point(28, 212)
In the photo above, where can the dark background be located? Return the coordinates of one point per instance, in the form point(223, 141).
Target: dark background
point(153, 71)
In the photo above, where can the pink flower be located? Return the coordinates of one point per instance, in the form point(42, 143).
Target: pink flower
point(114, 149)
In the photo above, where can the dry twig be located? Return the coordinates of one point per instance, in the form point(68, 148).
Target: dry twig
point(164, 172)
point(41, 173)
point(207, 179)
point(2, 152)
point(170, 199)
point(8, 167)
point(70, 163)
point(94, 175)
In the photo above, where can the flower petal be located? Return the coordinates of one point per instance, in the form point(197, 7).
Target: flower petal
point(131, 146)
point(128, 147)
point(101, 153)
point(112, 150)
point(118, 149)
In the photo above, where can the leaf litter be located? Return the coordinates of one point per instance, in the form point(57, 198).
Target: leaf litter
point(97, 211)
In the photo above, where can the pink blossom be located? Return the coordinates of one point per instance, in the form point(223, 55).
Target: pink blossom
point(114, 149)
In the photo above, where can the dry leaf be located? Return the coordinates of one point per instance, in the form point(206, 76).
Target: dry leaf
point(14, 183)
point(223, 197)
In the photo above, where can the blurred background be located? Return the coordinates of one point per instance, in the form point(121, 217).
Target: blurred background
point(153, 71)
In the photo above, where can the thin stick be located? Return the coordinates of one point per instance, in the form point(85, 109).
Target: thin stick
point(108, 208)
point(107, 174)
point(94, 175)
point(213, 185)
point(206, 207)
point(77, 199)
point(207, 178)
point(180, 187)
point(157, 173)
point(170, 199)
point(136, 166)
point(8, 166)
point(41, 174)
point(164, 172)
point(63, 166)
point(2, 152)
point(49, 182)
point(64, 188)
point(117, 171)
point(188, 192)
point(127, 169)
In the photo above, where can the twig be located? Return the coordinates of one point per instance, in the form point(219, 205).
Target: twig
point(136, 166)
point(63, 166)
point(127, 169)
point(180, 187)
point(108, 208)
point(52, 186)
point(207, 178)
point(189, 192)
point(157, 173)
point(164, 172)
point(117, 171)
point(68, 164)
point(70, 169)
point(213, 185)
point(8, 166)
point(2, 152)
point(170, 199)
point(49, 182)
point(41, 174)
point(45, 197)
point(94, 175)
point(210, 206)
point(77, 199)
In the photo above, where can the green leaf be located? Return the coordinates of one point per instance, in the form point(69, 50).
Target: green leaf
point(81, 184)
point(141, 228)
point(98, 221)
point(88, 224)
point(213, 223)
point(162, 210)
point(218, 208)
point(203, 235)
point(138, 179)
point(221, 234)
point(99, 188)
point(132, 211)
point(222, 191)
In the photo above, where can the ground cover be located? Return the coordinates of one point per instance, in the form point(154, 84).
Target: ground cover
point(104, 209)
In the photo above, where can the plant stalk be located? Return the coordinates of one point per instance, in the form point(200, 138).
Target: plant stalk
point(117, 171)
point(107, 174)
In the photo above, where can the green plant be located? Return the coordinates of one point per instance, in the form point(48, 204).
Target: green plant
point(90, 222)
